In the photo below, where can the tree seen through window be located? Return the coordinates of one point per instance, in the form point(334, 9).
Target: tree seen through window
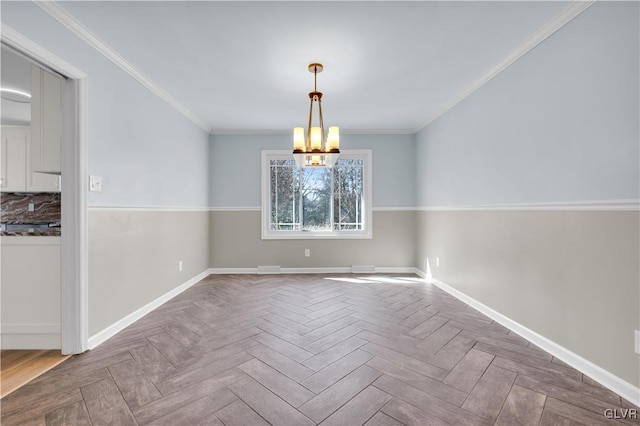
point(316, 199)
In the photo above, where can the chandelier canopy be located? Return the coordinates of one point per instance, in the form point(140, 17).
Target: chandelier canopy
point(314, 150)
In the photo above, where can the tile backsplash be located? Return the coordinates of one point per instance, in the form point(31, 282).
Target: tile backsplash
point(15, 207)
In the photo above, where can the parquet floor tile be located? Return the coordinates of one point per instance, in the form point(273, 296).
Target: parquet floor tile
point(313, 349)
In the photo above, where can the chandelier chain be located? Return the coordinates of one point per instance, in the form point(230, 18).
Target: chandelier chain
point(315, 78)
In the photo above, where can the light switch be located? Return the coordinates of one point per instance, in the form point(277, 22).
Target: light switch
point(95, 183)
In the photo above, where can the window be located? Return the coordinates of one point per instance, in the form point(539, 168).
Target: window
point(316, 202)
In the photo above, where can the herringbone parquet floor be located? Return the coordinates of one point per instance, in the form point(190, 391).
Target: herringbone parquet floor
point(309, 349)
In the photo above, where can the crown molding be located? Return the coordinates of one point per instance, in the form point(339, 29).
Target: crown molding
point(561, 19)
point(248, 132)
point(550, 27)
point(72, 24)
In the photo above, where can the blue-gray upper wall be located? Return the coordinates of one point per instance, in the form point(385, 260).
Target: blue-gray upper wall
point(560, 124)
point(236, 169)
point(147, 153)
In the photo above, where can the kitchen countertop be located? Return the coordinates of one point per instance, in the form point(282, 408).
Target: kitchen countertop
point(35, 233)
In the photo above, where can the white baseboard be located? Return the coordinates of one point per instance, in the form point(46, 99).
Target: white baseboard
point(363, 269)
point(233, 271)
point(322, 270)
point(30, 336)
point(605, 378)
point(336, 270)
point(114, 328)
point(397, 270)
point(268, 269)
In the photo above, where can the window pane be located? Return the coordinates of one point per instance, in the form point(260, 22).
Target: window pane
point(284, 198)
point(348, 206)
point(325, 201)
point(316, 199)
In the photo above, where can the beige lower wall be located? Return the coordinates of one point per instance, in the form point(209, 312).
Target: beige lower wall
point(236, 243)
point(571, 276)
point(133, 258)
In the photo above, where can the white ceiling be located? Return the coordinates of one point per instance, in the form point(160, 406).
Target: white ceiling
point(243, 65)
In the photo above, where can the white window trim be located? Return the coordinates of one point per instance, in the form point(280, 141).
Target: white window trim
point(366, 233)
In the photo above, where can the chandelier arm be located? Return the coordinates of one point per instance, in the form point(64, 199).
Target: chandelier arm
point(321, 121)
point(308, 141)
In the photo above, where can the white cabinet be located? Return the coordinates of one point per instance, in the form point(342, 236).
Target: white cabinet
point(15, 167)
point(30, 276)
point(14, 159)
point(46, 120)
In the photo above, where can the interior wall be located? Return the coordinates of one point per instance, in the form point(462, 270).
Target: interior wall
point(393, 167)
point(236, 198)
point(571, 276)
point(134, 255)
point(561, 125)
point(154, 168)
point(236, 243)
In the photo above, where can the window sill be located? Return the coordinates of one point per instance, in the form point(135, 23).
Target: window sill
point(317, 236)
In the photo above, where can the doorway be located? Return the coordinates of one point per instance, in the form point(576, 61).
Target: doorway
point(73, 156)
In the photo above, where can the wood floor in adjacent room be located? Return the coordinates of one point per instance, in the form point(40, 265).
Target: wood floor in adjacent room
point(309, 349)
point(19, 367)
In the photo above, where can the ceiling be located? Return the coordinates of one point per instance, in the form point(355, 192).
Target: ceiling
point(243, 65)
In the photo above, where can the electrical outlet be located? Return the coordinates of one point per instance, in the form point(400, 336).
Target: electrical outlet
point(307, 252)
point(637, 341)
point(437, 262)
point(180, 266)
point(31, 207)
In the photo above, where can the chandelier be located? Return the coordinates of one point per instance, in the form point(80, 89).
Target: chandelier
point(314, 150)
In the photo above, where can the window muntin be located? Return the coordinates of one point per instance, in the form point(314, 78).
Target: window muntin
point(348, 190)
point(316, 202)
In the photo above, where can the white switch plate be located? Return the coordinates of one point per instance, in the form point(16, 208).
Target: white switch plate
point(307, 252)
point(180, 266)
point(637, 341)
point(437, 262)
point(95, 183)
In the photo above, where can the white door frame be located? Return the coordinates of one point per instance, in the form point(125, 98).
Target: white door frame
point(74, 288)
